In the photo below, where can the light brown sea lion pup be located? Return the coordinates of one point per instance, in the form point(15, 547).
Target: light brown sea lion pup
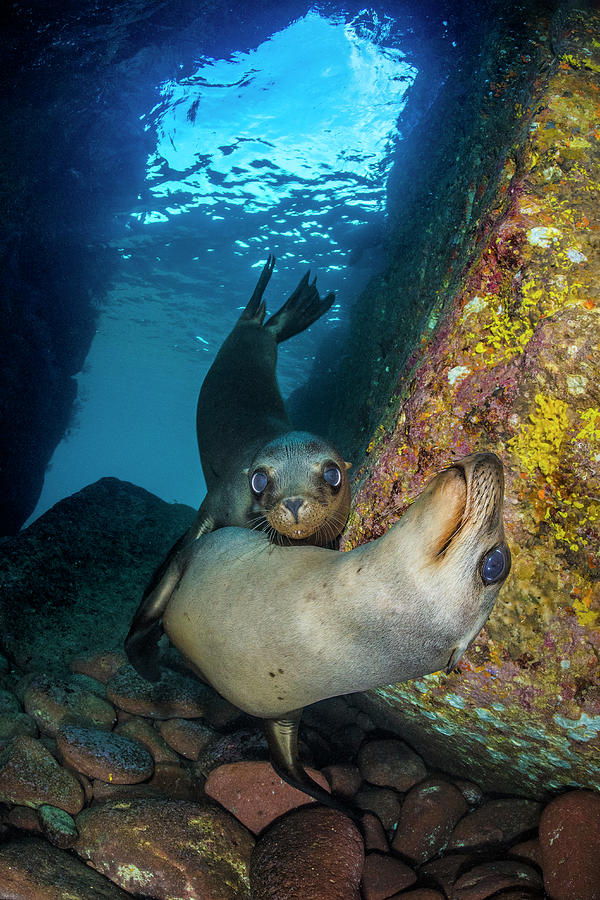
point(274, 629)
point(259, 472)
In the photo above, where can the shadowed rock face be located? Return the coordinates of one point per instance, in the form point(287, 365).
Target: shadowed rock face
point(512, 366)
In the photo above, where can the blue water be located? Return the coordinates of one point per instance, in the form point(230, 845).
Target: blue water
point(283, 146)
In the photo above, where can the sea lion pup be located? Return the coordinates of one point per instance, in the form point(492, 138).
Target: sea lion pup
point(274, 629)
point(259, 472)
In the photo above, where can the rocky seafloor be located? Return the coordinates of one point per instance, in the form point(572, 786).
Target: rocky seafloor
point(113, 787)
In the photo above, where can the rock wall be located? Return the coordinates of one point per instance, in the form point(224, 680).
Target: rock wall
point(512, 365)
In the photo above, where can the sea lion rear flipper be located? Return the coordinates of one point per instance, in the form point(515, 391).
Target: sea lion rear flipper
point(141, 643)
point(299, 311)
point(256, 309)
point(282, 738)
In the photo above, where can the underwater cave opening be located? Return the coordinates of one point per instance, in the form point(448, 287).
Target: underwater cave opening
point(284, 146)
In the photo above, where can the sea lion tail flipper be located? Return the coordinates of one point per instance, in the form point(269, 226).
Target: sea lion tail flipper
point(256, 308)
point(141, 643)
point(300, 310)
point(282, 738)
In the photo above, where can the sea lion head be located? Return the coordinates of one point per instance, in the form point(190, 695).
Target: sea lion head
point(457, 543)
point(300, 489)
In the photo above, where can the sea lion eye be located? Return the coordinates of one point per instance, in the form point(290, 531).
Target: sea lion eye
point(333, 476)
point(495, 565)
point(258, 482)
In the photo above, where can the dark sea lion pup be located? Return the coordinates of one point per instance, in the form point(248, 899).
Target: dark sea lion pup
point(274, 629)
point(259, 472)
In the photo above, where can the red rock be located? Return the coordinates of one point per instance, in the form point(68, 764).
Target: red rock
point(32, 869)
point(429, 814)
point(373, 834)
point(51, 703)
point(570, 845)
point(240, 746)
point(13, 724)
point(384, 802)
point(470, 791)
point(174, 695)
point(313, 853)
point(530, 851)
point(105, 755)
point(445, 871)
point(167, 848)
point(496, 822)
point(489, 878)
point(420, 894)
point(25, 819)
point(384, 875)
point(141, 730)
point(344, 780)
point(255, 793)
point(169, 780)
point(101, 666)
point(391, 763)
point(30, 776)
point(189, 738)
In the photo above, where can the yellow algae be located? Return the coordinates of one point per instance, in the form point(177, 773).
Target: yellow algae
point(585, 615)
point(591, 425)
point(539, 442)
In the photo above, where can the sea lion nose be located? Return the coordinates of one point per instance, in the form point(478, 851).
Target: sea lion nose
point(294, 505)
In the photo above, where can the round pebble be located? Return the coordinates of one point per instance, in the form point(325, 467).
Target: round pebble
point(391, 763)
point(313, 852)
point(189, 738)
point(384, 802)
point(344, 780)
point(174, 695)
point(101, 666)
point(30, 776)
point(496, 822)
point(51, 703)
point(570, 846)
point(141, 730)
point(255, 793)
point(104, 755)
point(384, 875)
point(488, 879)
point(57, 826)
point(429, 814)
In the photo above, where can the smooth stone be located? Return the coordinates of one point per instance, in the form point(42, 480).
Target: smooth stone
point(167, 848)
point(169, 780)
point(87, 683)
point(312, 853)
point(30, 776)
point(243, 745)
point(530, 851)
point(569, 837)
point(430, 812)
point(384, 802)
point(391, 763)
point(384, 875)
point(14, 723)
point(141, 730)
point(374, 836)
point(24, 818)
point(174, 695)
point(470, 791)
point(420, 894)
point(445, 871)
point(344, 780)
point(255, 793)
point(496, 822)
point(51, 703)
point(32, 869)
point(488, 879)
point(57, 826)
point(104, 755)
point(8, 702)
point(189, 738)
point(101, 666)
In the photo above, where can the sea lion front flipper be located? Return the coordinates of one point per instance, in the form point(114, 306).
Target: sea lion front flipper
point(282, 738)
point(299, 311)
point(141, 643)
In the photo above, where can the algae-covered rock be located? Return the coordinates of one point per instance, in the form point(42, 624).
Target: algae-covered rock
point(512, 364)
point(167, 848)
